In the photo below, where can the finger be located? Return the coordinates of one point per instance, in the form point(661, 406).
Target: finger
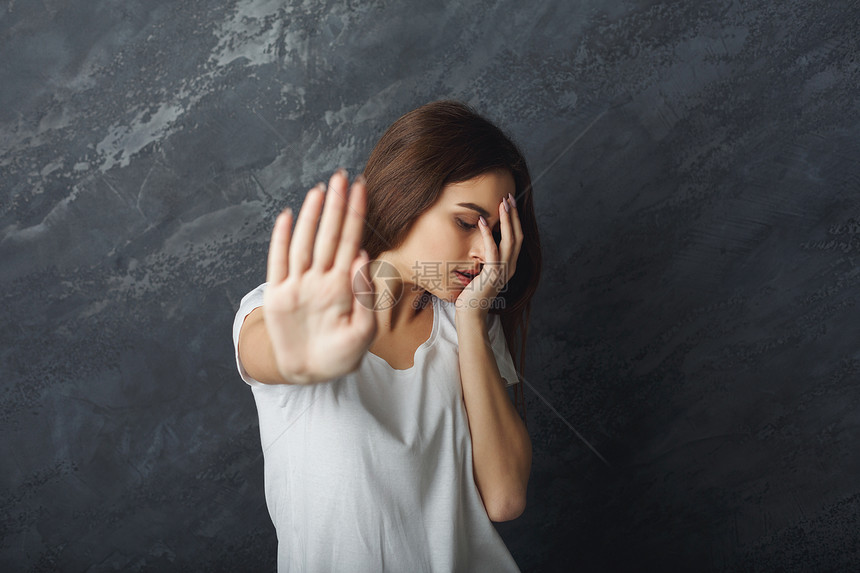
point(507, 241)
point(517, 226)
point(303, 235)
point(362, 308)
point(276, 267)
point(491, 252)
point(350, 238)
point(332, 220)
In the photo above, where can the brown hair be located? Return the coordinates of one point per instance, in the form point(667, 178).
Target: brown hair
point(440, 143)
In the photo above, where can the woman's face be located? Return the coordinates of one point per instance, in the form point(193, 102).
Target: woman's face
point(446, 237)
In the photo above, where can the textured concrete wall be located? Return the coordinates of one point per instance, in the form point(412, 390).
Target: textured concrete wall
point(698, 188)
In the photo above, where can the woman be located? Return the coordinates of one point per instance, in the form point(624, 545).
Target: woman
point(389, 439)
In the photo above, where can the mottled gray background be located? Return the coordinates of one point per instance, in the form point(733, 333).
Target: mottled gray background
point(698, 190)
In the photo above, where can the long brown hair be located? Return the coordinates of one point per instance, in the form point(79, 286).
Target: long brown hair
point(440, 143)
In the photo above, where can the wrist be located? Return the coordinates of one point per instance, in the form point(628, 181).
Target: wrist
point(470, 319)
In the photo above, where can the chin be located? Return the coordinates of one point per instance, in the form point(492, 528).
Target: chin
point(450, 294)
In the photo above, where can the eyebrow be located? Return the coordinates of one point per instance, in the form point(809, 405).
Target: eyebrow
point(477, 208)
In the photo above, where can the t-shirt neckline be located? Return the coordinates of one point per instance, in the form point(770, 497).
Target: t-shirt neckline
point(418, 351)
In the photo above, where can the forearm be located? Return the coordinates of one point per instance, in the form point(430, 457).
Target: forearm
point(501, 447)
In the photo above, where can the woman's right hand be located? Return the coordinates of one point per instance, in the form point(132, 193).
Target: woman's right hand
point(317, 329)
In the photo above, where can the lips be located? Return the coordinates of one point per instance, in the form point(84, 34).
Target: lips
point(464, 278)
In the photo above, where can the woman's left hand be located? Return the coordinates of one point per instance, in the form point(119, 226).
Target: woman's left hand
point(499, 264)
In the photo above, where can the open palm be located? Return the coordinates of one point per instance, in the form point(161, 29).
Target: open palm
point(318, 330)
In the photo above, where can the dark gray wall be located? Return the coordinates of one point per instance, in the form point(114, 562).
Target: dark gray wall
point(697, 178)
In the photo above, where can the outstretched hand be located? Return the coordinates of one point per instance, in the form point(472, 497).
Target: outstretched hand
point(318, 330)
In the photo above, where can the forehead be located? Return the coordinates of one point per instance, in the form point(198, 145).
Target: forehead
point(486, 189)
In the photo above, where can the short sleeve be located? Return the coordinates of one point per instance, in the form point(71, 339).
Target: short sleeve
point(500, 350)
point(249, 302)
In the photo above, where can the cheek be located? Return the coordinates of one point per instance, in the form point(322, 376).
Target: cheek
point(434, 241)
point(434, 244)
point(440, 244)
point(434, 249)
point(439, 255)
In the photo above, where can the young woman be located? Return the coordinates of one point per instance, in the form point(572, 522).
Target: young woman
point(389, 438)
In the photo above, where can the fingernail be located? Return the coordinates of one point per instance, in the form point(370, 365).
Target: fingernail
point(512, 200)
point(360, 179)
point(505, 203)
point(343, 172)
point(483, 221)
point(321, 186)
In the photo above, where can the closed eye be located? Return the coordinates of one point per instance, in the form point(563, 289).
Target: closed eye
point(466, 225)
point(497, 232)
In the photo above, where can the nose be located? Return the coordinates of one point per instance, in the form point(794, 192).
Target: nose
point(476, 250)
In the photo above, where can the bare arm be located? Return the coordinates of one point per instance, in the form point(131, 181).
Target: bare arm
point(501, 447)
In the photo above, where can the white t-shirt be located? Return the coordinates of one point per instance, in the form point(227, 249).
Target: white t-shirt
point(372, 471)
